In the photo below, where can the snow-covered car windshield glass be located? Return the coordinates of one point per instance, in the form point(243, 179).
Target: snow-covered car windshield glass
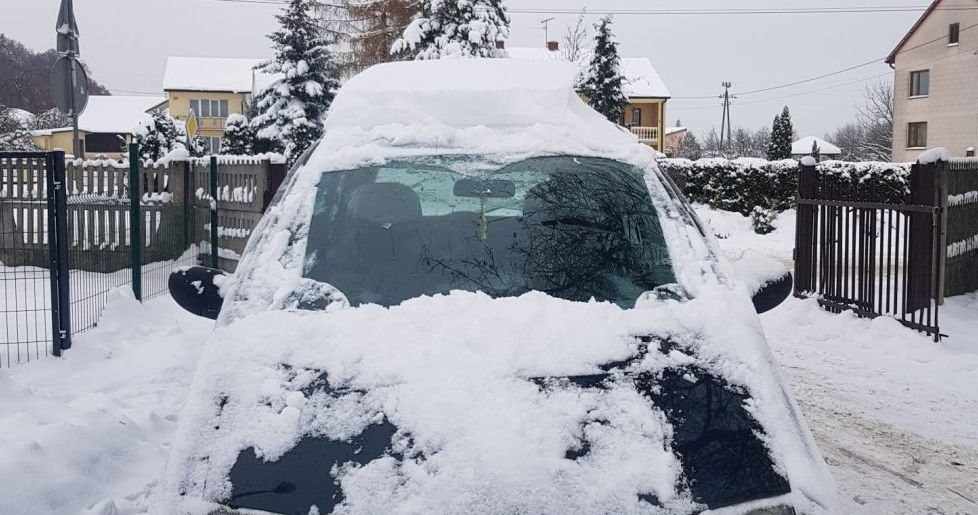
point(574, 228)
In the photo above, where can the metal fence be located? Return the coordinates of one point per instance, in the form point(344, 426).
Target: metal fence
point(961, 228)
point(112, 235)
point(870, 251)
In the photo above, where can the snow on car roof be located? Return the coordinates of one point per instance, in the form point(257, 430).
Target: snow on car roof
point(211, 74)
point(481, 106)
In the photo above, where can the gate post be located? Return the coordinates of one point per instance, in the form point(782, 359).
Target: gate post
point(805, 229)
point(135, 222)
point(215, 237)
point(58, 252)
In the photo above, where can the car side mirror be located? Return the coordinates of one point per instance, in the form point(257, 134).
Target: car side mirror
point(767, 279)
point(196, 290)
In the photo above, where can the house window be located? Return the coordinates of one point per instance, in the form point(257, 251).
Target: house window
point(213, 145)
point(953, 34)
point(920, 83)
point(917, 135)
point(636, 117)
point(104, 142)
point(210, 108)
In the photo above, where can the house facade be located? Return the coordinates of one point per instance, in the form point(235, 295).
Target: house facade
point(647, 94)
point(213, 88)
point(105, 127)
point(935, 82)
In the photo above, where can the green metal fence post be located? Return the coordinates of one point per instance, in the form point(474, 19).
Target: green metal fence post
point(214, 235)
point(135, 222)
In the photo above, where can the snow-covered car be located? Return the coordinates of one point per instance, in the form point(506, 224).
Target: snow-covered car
point(477, 296)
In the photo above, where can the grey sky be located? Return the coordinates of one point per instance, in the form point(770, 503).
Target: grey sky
point(125, 42)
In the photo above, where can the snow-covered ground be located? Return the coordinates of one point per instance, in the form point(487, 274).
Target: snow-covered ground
point(895, 414)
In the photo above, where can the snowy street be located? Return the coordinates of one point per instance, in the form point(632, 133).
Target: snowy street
point(894, 414)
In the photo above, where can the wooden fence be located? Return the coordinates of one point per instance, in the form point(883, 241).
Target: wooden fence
point(173, 210)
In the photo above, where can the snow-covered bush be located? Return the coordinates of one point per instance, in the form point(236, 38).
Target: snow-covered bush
point(239, 138)
point(14, 135)
point(456, 28)
point(762, 219)
point(291, 109)
point(743, 184)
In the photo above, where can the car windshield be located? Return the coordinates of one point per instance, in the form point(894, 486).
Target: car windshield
point(572, 227)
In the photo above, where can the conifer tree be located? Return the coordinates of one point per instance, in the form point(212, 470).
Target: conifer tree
point(292, 108)
point(602, 84)
point(454, 28)
point(238, 136)
point(782, 133)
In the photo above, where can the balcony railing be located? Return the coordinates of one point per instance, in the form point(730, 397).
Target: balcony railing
point(211, 123)
point(646, 134)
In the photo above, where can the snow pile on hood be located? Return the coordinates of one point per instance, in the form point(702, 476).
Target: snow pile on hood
point(455, 375)
point(494, 104)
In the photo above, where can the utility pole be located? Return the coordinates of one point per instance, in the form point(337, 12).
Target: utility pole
point(725, 122)
point(546, 29)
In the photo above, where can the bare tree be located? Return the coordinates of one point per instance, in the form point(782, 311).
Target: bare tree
point(875, 118)
point(365, 30)
point(576, 39)
point(850, 138)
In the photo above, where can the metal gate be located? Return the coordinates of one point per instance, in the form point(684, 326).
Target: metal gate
point(34, 300)
point(875, 252)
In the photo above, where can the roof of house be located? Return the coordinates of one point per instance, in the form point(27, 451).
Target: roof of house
point(890, 59)
point(641, 78)
point(210, 74)
point(674, 130)
point(112, 114)
point(804, 147)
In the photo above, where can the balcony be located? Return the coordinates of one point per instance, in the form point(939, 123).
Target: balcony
point(647, 135)
point(211, 123)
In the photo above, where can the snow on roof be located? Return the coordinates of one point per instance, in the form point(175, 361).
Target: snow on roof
point(673, 130)
point(641, 79)
point(804, 146)
point(111, 114)
point(210, 74)
point(484, 105)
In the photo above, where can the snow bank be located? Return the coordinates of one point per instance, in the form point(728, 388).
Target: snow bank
point(453, 375)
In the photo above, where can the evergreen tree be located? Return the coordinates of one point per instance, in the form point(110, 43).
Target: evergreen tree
point(292, 108)
point(156, 137)
point(690, 149)
point(14, 136)
point(602, 85)
point(454, 28)
point(782, 133)
point(238, 136)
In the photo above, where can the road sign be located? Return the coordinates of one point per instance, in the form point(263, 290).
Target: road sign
point(69, 86)
point(67, 29)
point(192, 125)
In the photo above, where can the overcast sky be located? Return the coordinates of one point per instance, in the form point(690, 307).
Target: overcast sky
point(126, 42)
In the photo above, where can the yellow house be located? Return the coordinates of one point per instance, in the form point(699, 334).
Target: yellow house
point(647, 94)
point(105, 127)
point(213, 88)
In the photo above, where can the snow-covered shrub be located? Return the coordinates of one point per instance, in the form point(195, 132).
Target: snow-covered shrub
point(14, 135)
point(239, 138)
point(762, 219)
point(741, 185)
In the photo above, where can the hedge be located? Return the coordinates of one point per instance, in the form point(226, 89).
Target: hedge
point(743, 184)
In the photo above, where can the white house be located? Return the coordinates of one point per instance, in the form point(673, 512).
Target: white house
point(804, 146)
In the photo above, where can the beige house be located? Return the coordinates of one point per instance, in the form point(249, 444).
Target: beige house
point(647, 94)
point(935, 82)
point(213, 88)
point(105, 127)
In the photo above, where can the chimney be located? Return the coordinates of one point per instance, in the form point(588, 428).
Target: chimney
point(553, 46)
point(500, 45)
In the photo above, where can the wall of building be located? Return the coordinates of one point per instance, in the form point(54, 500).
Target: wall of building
point(653, 115)
point(951, 108)
point(63, 140)
point(208, 127)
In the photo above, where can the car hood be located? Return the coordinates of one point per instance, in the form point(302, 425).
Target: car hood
point(468, 404)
